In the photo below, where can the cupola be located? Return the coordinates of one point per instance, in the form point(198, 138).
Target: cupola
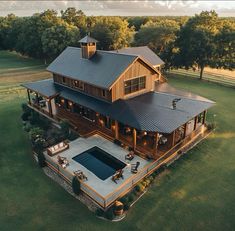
point(88, 46)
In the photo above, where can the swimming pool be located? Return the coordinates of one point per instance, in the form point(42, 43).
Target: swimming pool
point(101, 163)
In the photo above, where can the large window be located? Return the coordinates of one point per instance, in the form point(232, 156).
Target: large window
point(134, 85)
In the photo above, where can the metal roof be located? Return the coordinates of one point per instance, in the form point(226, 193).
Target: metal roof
point(45, 87)
point(151, 111)
point(168, 89)
point(88, 39)
point(101, 70)
point(143, 51)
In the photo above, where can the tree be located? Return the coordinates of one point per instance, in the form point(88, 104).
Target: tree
point(56, 38)
point(198, 42)
point(112, 33)
point(76, 18)
point(157, 35)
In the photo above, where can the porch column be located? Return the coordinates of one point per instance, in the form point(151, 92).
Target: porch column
point(185, 129)
point(173, 139)
point(49, 107)
point(29, 99)
point(156, 143)
point(116, 130)
point(134, 138)
point(195, 123)
point(204, 117)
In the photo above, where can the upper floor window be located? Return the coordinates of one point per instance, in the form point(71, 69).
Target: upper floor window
point(104, 93)
point(63, 79)
point(79, 84)
point(134, 85)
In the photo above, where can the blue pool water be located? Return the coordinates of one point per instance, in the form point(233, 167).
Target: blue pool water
point(102, 164)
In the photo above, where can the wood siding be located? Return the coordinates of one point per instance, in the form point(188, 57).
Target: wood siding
point(137, 69)
point(88, 89)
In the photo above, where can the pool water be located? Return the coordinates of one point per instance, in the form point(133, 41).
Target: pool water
point(102, 164)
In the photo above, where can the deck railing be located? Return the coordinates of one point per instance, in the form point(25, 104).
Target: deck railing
point(129, 183)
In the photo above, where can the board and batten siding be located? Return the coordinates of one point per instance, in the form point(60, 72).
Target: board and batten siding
point(137, 69)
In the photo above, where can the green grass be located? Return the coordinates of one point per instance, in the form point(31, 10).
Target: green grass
point(196, 193)
point(211, 77)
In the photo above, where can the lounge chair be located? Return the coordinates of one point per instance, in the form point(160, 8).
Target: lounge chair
point(130, 156)
point(134, 167)
point(80, 175)
point(63, 161)
point(118, 174)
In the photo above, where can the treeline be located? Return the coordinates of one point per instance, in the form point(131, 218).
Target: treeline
point(188, 42)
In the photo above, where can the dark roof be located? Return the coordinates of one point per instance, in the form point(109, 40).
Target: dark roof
point(45, 87)
point(88, 39)
point(101, 70)
point(168, 89)
point(151, 111)
point(143, 51)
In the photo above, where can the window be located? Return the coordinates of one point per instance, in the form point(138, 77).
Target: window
point(79, 84)
point(134, 85)
point(104, 93)
point(63, 79)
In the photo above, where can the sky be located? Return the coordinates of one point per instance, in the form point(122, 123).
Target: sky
point(120, 8)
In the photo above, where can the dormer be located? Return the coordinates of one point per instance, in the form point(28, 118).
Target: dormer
point(88, 47)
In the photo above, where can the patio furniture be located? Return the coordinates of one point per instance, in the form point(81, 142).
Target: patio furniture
point(80, 175)
point(118, 174)
point(134, 167)
point(51, 151)
point(130, 156)
point(63, 161)
point(162, 139)
point(42, 103)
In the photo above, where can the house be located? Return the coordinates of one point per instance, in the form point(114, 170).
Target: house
point(123, 97)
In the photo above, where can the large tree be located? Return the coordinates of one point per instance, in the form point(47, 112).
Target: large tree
point(112, 33)
point(56, 38)
point(157, 35)
point(76, 18)
point(198, 42)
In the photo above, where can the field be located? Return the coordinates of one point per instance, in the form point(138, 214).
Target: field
point(196, 193)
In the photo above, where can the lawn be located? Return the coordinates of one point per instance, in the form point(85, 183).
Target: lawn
point(196, 193)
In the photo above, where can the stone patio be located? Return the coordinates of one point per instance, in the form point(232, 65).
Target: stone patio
point(106, 187)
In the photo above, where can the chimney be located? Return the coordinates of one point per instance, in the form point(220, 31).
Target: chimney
point(88, 47)
point(174, 101)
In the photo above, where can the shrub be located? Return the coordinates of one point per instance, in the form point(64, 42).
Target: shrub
point(126, 206)
point(27, 127)
point(41, 160)
point(124, 199)
point(26, 108)
point(64, 125)
point(131, 197)
point(73, 136)
point(109, 214)
point(139, 188)
point(76, 185)
point(25, 116)
point(35, 133)
point(99, 212)
point(211, 126)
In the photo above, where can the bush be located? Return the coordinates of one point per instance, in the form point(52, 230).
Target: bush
point(25, 116)
point(73, 136)
point(124, 199)
point(126, 206)
point(131, 197)
point(41, 160)
point(64, 125)
point(35, 133)
point(76, 185)
point(139, 188)
point(109, 214)
point(99, 212)
point(27, 127)
point(34, 118)
point(26, 108)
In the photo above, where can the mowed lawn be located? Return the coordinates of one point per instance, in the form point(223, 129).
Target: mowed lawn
point(196, 193)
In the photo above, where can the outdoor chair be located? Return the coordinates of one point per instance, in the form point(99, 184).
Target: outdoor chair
point(117, 176)
point(63, 161)
point(80, 175)
point(130, 156)
point(134, 167)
